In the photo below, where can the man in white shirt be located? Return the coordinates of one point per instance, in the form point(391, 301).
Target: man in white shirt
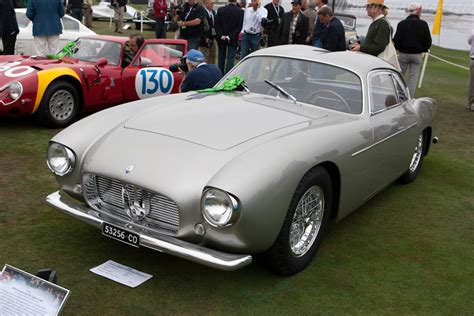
point(252, 28)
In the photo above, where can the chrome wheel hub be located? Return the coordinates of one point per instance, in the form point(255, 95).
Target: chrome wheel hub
point(307, 221)
point(61, 105)
point(415, 160)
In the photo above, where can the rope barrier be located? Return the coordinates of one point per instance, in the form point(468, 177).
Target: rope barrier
point(448, 62)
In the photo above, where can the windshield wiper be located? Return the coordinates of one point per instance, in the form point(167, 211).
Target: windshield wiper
point(286, 94)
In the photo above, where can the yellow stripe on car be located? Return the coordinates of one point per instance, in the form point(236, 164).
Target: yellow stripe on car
point(45, 77)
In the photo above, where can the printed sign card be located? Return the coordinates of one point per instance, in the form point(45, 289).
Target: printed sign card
point(22, 293)
point(121, 274)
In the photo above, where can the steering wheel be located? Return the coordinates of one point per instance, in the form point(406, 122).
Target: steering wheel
point(316, 94)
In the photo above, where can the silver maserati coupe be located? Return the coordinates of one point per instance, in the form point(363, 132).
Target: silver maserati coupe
point(221, 177)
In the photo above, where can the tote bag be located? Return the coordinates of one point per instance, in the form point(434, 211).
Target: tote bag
point(389, 54)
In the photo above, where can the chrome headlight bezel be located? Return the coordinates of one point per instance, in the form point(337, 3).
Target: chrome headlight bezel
point(59, 151)
point(15, 91)
point(229, 210)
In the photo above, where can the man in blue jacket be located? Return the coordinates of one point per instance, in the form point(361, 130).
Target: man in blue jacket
point(46, 17)
point(334, 38)
point(8, 27)
point(200, 75)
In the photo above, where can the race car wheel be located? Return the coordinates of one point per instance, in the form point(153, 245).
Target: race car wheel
point(416, 160)
point(305, 224)
point(60, 105)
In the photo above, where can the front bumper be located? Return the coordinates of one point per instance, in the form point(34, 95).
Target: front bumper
point(209, 257)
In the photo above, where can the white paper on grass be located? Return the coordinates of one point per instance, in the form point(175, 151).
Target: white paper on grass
point(121, 274)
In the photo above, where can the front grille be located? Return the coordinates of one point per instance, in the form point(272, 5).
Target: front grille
point(113, 197)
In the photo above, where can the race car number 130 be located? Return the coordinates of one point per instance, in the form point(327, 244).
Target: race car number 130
point(153, 81)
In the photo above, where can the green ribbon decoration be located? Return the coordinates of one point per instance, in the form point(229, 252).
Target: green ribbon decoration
point(67, 51)
point(230, 84)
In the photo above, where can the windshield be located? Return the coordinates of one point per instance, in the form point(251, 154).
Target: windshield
point(348, 22)
point(308, 82)
point(94, 49)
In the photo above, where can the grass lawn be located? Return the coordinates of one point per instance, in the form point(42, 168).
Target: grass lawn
point(409, 250)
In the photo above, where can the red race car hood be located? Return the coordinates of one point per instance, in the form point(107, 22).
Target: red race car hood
point(17, 67)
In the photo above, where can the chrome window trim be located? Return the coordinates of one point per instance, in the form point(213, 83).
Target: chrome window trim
point(369, 85)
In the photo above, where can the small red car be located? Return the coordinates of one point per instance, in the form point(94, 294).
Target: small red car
point(102, 72)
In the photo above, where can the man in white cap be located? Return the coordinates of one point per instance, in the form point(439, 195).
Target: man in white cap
point(411, 40)
point(200, 75)
point(379, 31)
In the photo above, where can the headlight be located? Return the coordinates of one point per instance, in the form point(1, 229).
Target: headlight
point(219, 208)
point(61, 160)
point(16, 89)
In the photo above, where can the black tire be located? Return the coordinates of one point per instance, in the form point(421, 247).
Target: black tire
point(283, 257)
point(416, 161)
point(59, 106)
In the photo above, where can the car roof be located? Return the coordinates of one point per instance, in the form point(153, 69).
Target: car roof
point(358, 62)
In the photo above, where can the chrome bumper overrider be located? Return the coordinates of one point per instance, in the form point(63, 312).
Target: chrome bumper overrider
point(209, 257)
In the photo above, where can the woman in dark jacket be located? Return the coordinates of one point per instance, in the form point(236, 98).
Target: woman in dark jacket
point(8, 27)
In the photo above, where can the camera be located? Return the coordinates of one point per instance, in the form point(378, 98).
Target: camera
point(351, 41)
point(182, 65)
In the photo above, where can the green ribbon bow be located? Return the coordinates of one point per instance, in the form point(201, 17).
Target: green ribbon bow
point(230, 84)
point(67, 51)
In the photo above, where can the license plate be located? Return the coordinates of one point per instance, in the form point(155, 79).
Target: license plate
point(120, 234)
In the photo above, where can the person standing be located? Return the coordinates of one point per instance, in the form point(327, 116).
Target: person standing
point(88, 13)
point(119, 10)
point(379, 32)
point(200, 75)
point(252, 28)
point(46, 17)
point(319, 27)
point(160, 11)
point(229, 20)
point(411, 40)
point(311, 14)
point(275, 14)
point(470, 104)
point(76, 9)
point(294, 26)
point(334, 38)
point(8, 27)
point(209, 38)
point(190, 23)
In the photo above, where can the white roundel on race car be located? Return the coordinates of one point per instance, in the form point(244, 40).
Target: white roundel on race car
point(153, 81)
point(12, 70)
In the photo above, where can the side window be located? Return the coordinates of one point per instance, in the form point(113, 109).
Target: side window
point(70, 25)
point(401, 89)
point(382, 92)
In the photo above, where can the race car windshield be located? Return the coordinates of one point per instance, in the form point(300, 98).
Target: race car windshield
point(308, 82)
point(92, 50)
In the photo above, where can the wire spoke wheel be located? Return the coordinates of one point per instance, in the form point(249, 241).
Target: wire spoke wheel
point(415, 160)
point(307, 221)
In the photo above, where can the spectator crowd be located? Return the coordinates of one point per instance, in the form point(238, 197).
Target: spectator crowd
point(238, 28)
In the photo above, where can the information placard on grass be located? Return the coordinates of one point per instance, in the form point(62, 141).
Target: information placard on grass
point(22, 293)
point(121, 274)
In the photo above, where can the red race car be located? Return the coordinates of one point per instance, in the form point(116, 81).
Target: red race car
point(102, 72)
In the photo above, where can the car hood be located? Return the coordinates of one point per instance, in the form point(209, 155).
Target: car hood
point(219, 121)
point(7, 65)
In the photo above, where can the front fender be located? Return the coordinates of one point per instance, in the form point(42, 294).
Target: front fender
point(45, 77)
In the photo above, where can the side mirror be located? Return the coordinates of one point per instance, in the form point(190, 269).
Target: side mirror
point(102, 62)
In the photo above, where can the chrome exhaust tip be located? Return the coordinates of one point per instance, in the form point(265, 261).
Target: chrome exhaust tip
point(435, 140)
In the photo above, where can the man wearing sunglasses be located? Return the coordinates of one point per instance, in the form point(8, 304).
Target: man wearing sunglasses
point(378, 34)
